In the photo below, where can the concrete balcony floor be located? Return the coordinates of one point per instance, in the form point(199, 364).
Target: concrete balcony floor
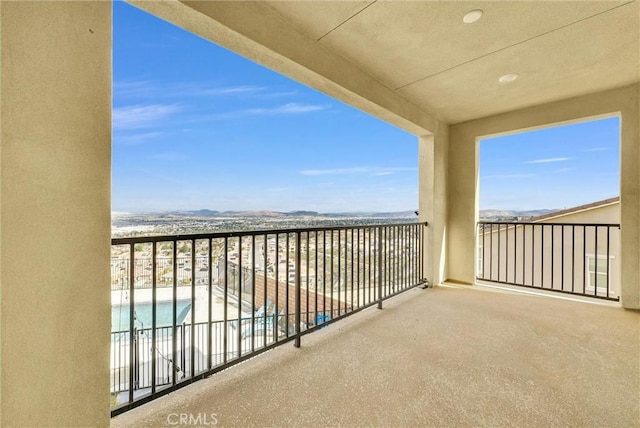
point(448, 356)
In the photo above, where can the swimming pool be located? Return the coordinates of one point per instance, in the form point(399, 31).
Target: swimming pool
point(143, 314)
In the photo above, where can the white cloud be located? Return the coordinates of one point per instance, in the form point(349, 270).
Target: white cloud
point(206, 89)
point(223, 90)
point(286, 109)
point(148, 89)
point(290, 108)
point(548, 160)
point(141, 116)
point(356, 170)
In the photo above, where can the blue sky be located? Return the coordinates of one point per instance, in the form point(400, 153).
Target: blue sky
point(558, 167)
point(196, 126)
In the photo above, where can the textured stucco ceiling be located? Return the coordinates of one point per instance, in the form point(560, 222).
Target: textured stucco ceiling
point(423, 51)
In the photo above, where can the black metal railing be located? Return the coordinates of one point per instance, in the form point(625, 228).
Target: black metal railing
point(187, 306)
point(570, 258)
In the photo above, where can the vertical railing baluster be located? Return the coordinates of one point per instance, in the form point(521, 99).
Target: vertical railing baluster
point(533, 254)
point(562, 257)
point(331, 267)
point(276, 311)
point(484, 246)
point(491, 252)
point(393, 260)
point(240, 286)
point(387, 261)
point(253, 292)
point(346, 269)
point(380, 267)
point(339, 272)
point(359, 269)
point(174, 315)
point(225, 324)
point(298, 259)
point(553, 233)
point(524, 250)
point(515, 253)
point(307, 282)
point(573, 256)
point(324, 275)
point(183, 365)
point(542, 257)
point(584, 259)
point(315, 280)
point(370, 265)
point(405, 253)
point(132, 332)
point(397, 255)
point(193, 308)
point(209, 303)
point(417, 250)
point(506, 252)
point(608, 280)
point(352, 266)
point(154, 299)
point(286, 290)
point(265, 284)
point(499, 253)
point(595, 268)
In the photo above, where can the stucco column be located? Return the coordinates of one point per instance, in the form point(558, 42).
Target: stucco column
point(55, 166)
point(462, 213)
point(432, 200)
point(630, 198)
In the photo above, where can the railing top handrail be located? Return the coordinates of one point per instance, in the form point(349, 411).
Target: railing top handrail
point(518, 223)
point(215, 235)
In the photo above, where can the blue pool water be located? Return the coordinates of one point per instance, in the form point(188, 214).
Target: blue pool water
point(143, 314)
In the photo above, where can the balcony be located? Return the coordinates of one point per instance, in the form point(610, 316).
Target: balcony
point(433, 357)
point(446, 356)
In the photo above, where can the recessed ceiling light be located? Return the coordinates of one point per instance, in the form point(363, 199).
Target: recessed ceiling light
point(508, 78)
point(472, 16)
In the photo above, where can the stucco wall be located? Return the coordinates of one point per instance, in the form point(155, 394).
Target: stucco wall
point(55, 213)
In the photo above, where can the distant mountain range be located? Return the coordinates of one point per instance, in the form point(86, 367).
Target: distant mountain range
point(503, 214)
point(207, 213)
point(214, 213)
